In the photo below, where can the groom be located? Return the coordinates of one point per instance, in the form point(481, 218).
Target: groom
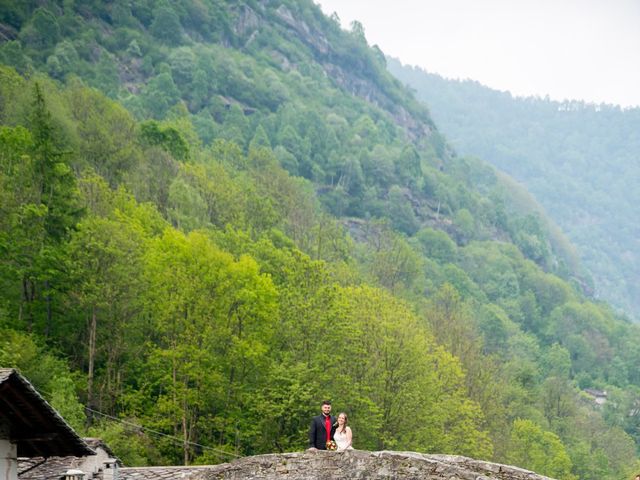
point(322, 428)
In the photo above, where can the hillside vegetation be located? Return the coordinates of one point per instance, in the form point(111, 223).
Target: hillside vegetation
point(581, 161)
point(214, 215)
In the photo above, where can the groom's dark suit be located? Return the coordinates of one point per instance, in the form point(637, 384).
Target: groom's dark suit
point(318, 432)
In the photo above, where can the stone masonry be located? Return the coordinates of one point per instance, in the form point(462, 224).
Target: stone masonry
point(352, 464)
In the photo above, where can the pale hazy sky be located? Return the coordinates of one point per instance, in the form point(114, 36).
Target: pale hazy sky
point(567, 49)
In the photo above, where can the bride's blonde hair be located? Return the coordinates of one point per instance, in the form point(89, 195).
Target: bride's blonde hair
point(346, 420)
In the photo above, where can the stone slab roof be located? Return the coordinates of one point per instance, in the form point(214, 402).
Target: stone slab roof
point(40, 468)
point(52, 468)
point(352, 464)
point(166, 473)
point(34, 425)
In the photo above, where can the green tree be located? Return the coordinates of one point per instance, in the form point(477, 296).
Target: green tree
point(160, 95)
point(260, 139)
point(436, 244)
point(465, 223)
point(415, 395)
point(408, 167)
point(166, 24)
point(22, 233)
point(401, 211)
point(213, 321)
point(107, 77)
point(166, 137)
point(106, 261)
point(42, 31)
point(558, 399)
point(391, 261)
point(187, 209)
point(54, 178)
point(12, 53)
point(540, 451)
point(42, 209)
point(107, 134)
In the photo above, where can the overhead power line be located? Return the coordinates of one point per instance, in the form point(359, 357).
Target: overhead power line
point(161, 434)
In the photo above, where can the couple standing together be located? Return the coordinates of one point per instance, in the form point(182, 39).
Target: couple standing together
point(328, 432)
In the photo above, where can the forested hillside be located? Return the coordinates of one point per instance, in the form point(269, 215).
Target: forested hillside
point(581, 161)
point(214, 215)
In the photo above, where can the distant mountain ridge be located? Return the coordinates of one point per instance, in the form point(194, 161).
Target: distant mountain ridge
point(581, 161)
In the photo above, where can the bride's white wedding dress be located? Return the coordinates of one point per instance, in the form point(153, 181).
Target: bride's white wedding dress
point(341, 441)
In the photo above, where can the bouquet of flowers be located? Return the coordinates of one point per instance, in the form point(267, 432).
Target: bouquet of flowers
point(331, 445)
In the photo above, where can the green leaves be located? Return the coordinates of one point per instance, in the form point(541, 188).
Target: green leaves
point(166, 137)
point(205, 293)
point(53, 176)
point(404, 392)
point(540, 451)
point(213, 324)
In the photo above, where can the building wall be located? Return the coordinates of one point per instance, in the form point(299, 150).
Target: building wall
point(93, 464)
point(8, 460)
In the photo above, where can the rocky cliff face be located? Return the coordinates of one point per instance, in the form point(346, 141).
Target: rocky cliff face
point(345, 74)
point(353, 464)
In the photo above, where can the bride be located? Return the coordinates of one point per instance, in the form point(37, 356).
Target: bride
point(343, 434)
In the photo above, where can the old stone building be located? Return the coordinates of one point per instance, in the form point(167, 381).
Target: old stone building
point(102, 465)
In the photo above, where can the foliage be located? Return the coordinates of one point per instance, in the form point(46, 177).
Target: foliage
point(538, 450)
point(245, 219)
point(578, 159)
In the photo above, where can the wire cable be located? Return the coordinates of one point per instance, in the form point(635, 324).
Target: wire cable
point(155, 432)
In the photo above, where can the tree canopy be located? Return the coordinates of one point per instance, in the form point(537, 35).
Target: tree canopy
point(207, 234)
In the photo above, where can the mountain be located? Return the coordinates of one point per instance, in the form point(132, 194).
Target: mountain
point(581, 162)
point(214, 215)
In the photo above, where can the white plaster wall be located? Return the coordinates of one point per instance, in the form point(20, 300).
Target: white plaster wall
point(8, 460)
point(93, 463)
